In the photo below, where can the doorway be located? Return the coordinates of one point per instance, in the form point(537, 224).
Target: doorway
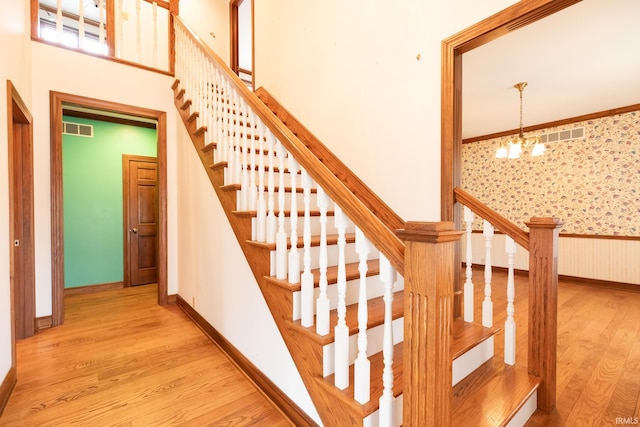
point(242, 40)
point(140, 219)
point(58, 103)
point(21, 228)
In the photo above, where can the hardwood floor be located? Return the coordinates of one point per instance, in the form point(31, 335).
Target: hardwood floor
point(598, 358)
point(120, 359)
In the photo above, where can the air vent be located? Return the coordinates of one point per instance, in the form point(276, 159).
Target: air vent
point(563, 135)
point(77, 129)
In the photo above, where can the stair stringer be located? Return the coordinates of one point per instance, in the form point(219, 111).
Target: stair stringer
point(307, 356)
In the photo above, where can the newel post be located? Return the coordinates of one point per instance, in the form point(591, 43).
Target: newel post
point(428, 318)
point(543, 306)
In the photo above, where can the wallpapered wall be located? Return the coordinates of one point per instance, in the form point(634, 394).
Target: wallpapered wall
point(592, 184)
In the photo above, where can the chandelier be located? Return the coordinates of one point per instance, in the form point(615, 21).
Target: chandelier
point(515, 146)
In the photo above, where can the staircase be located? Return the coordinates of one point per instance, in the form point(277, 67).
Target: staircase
point(325, 254)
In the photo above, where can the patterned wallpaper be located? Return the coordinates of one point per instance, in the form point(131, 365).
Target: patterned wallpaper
point(592, 184)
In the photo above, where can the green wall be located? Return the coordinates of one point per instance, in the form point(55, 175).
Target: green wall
point(92, 189)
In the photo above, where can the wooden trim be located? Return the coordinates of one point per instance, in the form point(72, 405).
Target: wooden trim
point(111, 28)
point(57, 100)
point(510, 19)
point(21, 215)
point(373, 227)
point(67, 14)
point(234, 34)
point(8, 383)
point(556, 123)
point(585, 236)
point(161, 3)
point(107, 118)
point(245, 71)
point(172, 299)
point(260, 380)
point(174, 10)
point(43, 322)
point(497, 220)
point(91, 289)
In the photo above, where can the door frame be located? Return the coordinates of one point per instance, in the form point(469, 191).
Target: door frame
point(126, 158)
point(57, 100)
point(20, 131)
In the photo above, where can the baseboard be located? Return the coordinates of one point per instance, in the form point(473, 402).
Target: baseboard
point(7, 387)
point(172, 299)
point(89, 289)
point(43, 322)
point(264, 384)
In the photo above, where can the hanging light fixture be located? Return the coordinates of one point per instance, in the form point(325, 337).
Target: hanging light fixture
point(515, 146)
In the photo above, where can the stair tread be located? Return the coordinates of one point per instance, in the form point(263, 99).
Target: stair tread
point(492, 394)
point(351, 270)
point(287, 189)
point(332, 239)
point(376, 387)
point(287, 213)
point(467, 335)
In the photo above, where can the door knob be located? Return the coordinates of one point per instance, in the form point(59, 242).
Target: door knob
point(134, 230)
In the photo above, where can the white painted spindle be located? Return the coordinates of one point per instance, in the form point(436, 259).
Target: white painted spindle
point(271, 217)
point(237, 137)
point(261, 207)
point(510, 323)
point(119, 29)
point(253, 189)
point(487, 304)
point(59, 24)
point(322, 305)
point(81, 24)
point(244, 183)
point(294, 255)
point(101, 30)
point(341, 330)
point(155, 34)
point(386, 402)
point(306, 285)
point(468, 284)
point(362, 366)
point(281, 236)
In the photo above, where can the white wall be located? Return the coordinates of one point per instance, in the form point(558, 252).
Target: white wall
point(349, 71)
point(206, 17)
point(14, 51)
point(60, 70)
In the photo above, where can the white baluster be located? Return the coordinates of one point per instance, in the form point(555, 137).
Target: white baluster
point(119, 37)
point(341, 330)
point(271, 217)
point(468, 284)
point(138, 33)
point(81, 25)
point(387, 277)
point(228, 135)
point(59, 25)
point(237, 139)
point(155, 34)
point(306, 286)
point(487, 304)
point(101, 31)
point(244, 183)
point(253, 186)
point(362, 366)
point(510, 323)
point(261, 208)
point(294, 255)
point(322, 304)
point(281, 235)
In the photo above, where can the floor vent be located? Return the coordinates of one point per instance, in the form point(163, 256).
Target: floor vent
point(563, 135)
point(77, 129)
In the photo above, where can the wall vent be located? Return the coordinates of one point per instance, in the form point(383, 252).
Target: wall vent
point(563, 135)
point(77, 129)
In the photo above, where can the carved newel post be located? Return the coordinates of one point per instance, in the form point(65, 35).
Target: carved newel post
point(428, 318)
point(543, 306)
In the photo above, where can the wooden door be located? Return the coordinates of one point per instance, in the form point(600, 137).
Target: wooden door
point(140, 192)
point(22, 254)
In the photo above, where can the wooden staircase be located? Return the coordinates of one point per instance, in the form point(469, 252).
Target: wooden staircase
point(487, 391)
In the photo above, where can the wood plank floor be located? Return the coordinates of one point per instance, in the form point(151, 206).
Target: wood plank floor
point(122, 360)
point(598, 358)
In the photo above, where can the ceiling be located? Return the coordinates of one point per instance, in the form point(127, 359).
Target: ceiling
point(581, 60)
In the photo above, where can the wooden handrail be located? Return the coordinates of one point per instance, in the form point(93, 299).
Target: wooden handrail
point(375, 204)
point(501, 223)
point(373, 227)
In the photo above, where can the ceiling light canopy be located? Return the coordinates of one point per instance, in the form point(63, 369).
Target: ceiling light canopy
point(515, 146)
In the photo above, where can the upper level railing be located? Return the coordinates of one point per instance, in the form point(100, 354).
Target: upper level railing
point(135, 32)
